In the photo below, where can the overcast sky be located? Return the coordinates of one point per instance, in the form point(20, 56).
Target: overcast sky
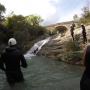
point(52, 11)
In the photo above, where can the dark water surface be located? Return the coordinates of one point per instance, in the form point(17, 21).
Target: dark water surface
point(46, 74)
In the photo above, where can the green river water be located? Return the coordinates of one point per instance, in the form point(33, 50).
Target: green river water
point(46, 74)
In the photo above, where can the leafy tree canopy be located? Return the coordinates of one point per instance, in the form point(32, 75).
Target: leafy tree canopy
point(34, 20)
point(2, 10)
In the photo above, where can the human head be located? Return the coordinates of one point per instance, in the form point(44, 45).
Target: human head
point(70, 26)
point(82, 24)
point(12, 41)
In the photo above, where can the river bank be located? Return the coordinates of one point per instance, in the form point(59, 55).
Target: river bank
point(59, 48)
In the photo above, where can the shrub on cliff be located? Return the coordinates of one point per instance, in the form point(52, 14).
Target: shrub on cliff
point(72, 46)
point(72, 51)
point(72, 57)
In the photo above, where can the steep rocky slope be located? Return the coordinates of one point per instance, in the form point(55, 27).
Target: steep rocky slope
point(55, 47)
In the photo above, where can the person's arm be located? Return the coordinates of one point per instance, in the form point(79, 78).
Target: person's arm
point(23, 61)
point(2, 63)
point(84, 56)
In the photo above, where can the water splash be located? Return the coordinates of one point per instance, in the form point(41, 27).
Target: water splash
point(36, 48)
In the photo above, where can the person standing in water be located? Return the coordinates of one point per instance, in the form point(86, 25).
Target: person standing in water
point(85, 79)
point(11, 60)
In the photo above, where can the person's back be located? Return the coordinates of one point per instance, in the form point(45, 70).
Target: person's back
point(83, 29)
point(12, 59)
point(72, 31)
point(84, 33)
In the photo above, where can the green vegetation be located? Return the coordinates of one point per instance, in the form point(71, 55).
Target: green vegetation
point(24, 29)
point(72, 57)
point(85, 18)
point(72, 50)
point(2, 10)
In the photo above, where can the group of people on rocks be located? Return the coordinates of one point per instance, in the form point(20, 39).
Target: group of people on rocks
point(72, 28)
point(85, 79)
point(12, 59)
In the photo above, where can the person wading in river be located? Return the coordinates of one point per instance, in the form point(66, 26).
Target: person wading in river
point(10, 61)
point(85, 80)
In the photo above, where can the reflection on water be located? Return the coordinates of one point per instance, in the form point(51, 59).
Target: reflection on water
point(46, 74)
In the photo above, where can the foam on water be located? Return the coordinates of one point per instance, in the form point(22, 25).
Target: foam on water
point(36, 48)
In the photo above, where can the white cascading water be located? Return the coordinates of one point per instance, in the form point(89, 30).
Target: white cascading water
point(36, 48)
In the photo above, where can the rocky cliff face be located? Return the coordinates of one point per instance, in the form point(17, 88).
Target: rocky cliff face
point(55, 48)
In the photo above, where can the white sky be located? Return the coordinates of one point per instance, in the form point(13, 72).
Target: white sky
point(52, 11)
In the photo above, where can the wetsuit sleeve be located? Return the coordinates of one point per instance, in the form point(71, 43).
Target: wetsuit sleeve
point(2, 63)
point(23, 61)
point(85, 58)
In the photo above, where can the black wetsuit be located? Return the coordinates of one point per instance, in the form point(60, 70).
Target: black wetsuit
point(84, 34)
point(10, 61)
point(85, 80)
point(72, 32)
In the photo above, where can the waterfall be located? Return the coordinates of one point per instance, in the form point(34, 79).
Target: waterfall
point(36, 48)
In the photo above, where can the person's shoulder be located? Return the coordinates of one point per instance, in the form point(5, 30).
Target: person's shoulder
point(5, 49)
point(18, 51)
point(3, 52)
point(87, 47)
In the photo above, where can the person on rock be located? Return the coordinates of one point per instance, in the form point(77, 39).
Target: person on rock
point(72, 31)
point(84, 34)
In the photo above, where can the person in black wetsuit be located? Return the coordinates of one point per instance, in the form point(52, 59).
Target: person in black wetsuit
point(85, 80)
point(11, 60)
point(84, 34)
point(72, 31)
point(73, 24)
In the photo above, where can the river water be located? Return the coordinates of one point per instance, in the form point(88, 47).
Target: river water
point(45, 74)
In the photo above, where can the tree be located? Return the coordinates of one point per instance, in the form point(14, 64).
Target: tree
point(76, 18)
point(34, 20)
point(85, 15)
point(88, 4)
point(2, 10)
point(20, 28)
point(15, 22)
point(86, 12)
